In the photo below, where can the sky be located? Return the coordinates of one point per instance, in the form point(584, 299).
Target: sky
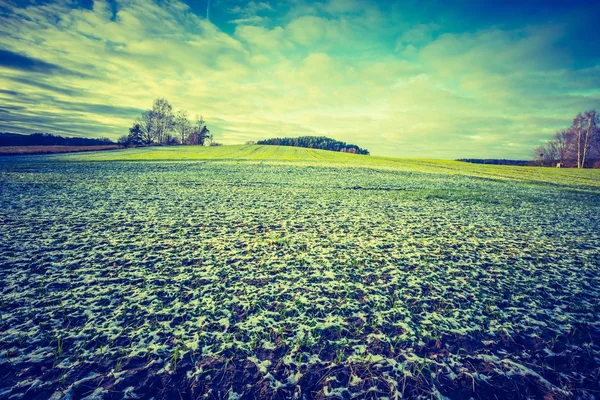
point(437, 79)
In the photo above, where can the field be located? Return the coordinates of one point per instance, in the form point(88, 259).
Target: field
point(30, 150)
point(269, 272)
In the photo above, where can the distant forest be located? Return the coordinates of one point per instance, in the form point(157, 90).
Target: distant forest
point(316, 142)
point(494, 161)
point(47, 139)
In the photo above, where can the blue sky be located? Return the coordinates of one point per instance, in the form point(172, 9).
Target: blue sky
point(440, 79)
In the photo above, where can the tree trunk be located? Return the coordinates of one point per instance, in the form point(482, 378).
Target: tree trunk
point(586, 144)
point(579, 147)
point(591, 117)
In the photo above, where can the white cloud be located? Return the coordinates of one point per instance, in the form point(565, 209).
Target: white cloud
point(454, 95)
point(248, 14)
point(418, 34)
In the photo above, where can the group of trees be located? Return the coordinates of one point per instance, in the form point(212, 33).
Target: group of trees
point(578, 146)
point(316, 142)
point(162, 126)
point(498, 161)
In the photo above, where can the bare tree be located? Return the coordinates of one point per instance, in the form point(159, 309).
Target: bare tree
point(183, 126)
point(585, 129)
point(546, 154)
point(562, 141)
point(577, 128)
point(146, 123)
point(595, 146)
point(580, 142)
point(162, 114)
point(591, 131)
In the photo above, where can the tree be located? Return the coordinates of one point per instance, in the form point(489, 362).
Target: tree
point(577, 128)
point(170, 140)
point(316, 142)
point(199, 133)
point(546, 154)
point(146, 124)
point(123, 140)
point(591, 132)
point(163, 120)
point(183, 126)
point(563, 140)
point(135, 135)
point(134, 138)
point(586, 131)
point(576, 145)
point(160, 125)
point(595, 147)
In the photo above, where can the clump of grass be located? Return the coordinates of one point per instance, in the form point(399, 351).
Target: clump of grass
point(339, 357)
point(58, 350)
point(176, 356)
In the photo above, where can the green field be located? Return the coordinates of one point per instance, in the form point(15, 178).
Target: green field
point(277, 272)
point(302, 156)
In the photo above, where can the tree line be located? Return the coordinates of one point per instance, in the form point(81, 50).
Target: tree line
point(160, 125)
point(316, 142)
point(577, 146)
point(500, 161)
point(48, 139)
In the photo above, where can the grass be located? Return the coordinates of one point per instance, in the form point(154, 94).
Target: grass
point(254, 271)
point(301, 156)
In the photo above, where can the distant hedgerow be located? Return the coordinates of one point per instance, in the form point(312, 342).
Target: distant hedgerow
point(315, 142)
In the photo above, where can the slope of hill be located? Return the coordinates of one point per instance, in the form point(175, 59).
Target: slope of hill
point(259, 271)
point(303, 156)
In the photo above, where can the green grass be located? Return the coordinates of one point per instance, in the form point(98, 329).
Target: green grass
point(256, 271)
point(570, 178)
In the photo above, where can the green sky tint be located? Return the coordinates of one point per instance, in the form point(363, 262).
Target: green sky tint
point(406, 79)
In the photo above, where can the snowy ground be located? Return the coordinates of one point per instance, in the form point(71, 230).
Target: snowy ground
point(163, 279)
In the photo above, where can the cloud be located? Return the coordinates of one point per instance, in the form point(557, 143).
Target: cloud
point(418, 34)
point(383, 78)
point(8, 92)
point(41, 85)
point(307, 30)
point(496, 51)
point(248, 14)
point(339, 7)
point(21, 62)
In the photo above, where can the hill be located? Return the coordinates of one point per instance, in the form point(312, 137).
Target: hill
point(268, 271)
point(303, 156)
